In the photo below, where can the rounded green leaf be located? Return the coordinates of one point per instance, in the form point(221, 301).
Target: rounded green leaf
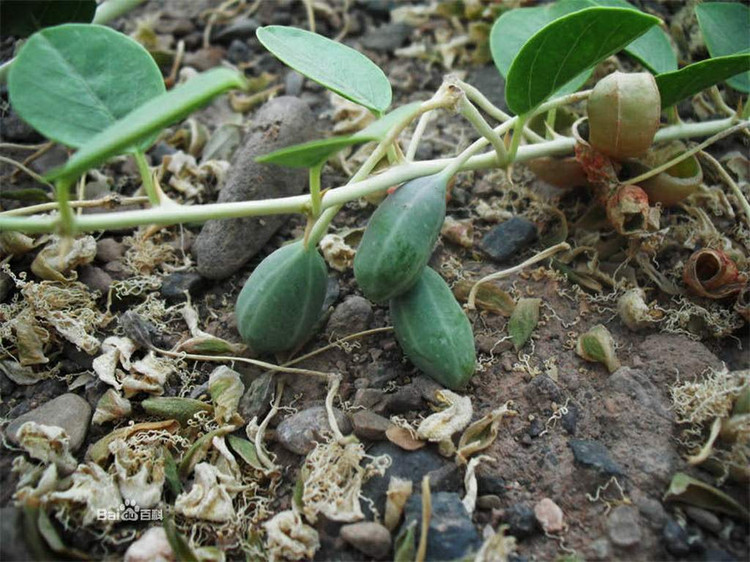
point(73, 81)
point(314, 153)
point(688, 81)
point(726, 31)
point(148, 119)
point(339, 68)
point(566, 47)
point(23, 17)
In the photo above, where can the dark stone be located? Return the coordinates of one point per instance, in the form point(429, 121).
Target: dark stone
point(491, 83)
point(536, 427)
point(386, 38)
point(381, 8)
point(406, 399)
point(593, 454)
point(299, 432)
point(713, 554)
point(7, 386)
point(95, 278)
point(452, 534)
point(570, 420)
point(351, 316)
point(15, 129)
point(12, 544)
point(6, 286)
point(675, 538)
point(494, 485)
point(521, 521)
point(239, 52)
point(256, 400)
point(159, 151)
point(224, 246)
point(543, 390)
point(109, 249)
point(240, 29)
point(174, 286)
point(369, 425)
point(411, 465)
point(508, 239)
point(447, 478)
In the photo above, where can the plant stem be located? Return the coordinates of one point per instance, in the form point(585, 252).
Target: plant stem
point(315, 189)
point(472, 114)
point(86, 204)
point(736, 191)
point(333, 198)
point(111, 9)
point(417, 136)
point(517, 134)
point(146, 177)
point(66, 220)
point(4, 69)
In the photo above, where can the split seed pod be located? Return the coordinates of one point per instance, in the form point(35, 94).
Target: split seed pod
point(629, 212)
point(673, 184)
point(712, 274)
point(597, 346)
point(623, 112)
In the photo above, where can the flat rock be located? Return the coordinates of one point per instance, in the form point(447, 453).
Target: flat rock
point(508, 239)
point(299, 432)
point(623, 526)
point(69, 411)
point(12, 544)
point(223, 246)
point(369, 425)
point(521, 520)
point(386, 38)
point(549, 515)
point(593, 454)
point(351, 316)
point(370, 538)
point(452, 534)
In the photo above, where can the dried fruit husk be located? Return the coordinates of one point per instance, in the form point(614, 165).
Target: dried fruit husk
point(623, 111)
point(712, 274)
point(564, 173)
point(670, 186)
point(629, 212)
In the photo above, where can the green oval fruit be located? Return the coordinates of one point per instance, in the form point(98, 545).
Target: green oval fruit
point(399, 238)
point(283, 299)
point(434, 332)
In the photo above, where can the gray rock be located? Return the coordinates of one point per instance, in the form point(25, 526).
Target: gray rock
point(490, 484)
point(447, 478)
point(569, 421)
point(174, 286)
point(508, 239)
point(299, 432)
point(542, 390)
point(704, 519)
point(223, 246)
point(370, 538)
point(256, 400)
point(490, 82)
point(15, 129)
point(676, 538)
point(6, 285)
point(369, 398)
point(241, 29)
point(521, 520)
point(623, 526)
point(69, 411)
point(593, 454)
point(412, 465)
point(95, 278)
point(109, 249)
point(239, 52)
point(351, 316)
point(651, 509)
point(293, 82)
point(452, 534)
point(12, 543)
point(369, 425)
point(601, 549)
point(386, 38)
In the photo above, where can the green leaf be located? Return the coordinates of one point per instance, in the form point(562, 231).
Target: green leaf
point(347, 72)
point(23, 17)
point(689, 490)
point(522, 322)
point(313, 153)
point(180, 545)
point(725, 27)
point(247, 451)
point(73, 81)
point(688, 81)
point(565, 48)
point(513, 28)
point(652, 49)
point(149, 119)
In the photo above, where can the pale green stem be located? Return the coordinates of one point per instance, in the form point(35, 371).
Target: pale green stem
point(472, 114)
point(314, 173)
point(66, 220)
point(146, 177)
point(516, 140)
point(417, 136)
point(111, 9)
point(551, 117)
point(333, 198)
point(4, 69)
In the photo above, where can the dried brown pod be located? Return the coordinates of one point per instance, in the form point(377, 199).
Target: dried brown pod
point(670, 186)
point(623, 112)
point(712, 274)
point(629, 212)
point(600, 170)
point(564, 173)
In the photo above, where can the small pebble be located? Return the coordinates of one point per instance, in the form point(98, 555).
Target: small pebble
point(369, 425)
point(173, 288)
point(370, 538)
point(521, 520)
point(95, 278)
point(675, 538)
point(549, 515)
point(593, 454)
point(109, 249)
point(351, 316)
point(386, 38)
point(704, 518)
point(508, 239)
point(623, 526)
point(299, 432)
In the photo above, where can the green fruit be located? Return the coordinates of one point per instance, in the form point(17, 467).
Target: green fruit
point(283, 299)
point(399, 238)
point(434, 332)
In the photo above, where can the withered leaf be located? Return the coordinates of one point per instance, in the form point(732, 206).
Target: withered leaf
point(522, 322)
point(489, 297)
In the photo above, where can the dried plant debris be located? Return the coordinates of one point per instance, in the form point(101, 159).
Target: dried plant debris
point(148, 374)
point(290, 538)
point(482, 433)
point(111, 406)
point(597, 346)
point(399, 491)
point(226, 389)
point(455, 415)
point(61, 256)
point(48, 444)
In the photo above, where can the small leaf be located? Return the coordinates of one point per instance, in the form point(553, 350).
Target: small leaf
point(198, 450)
point(23, 17)
point(565, 48)
point(404, 547)
point(170, 473)
point(724, 26)
point(314, 153)
point(246, 450)
point(174, 407)
point(148, 119)
point(688, 81)
point(29, 195)
point(482, 433)
point(489, 297)
point(179, 544)
point(597, 346)
point(73, 81)
point(337, 67)
point(99, 451)
point(692, 491)
point(222, 143)
point(522, 322)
